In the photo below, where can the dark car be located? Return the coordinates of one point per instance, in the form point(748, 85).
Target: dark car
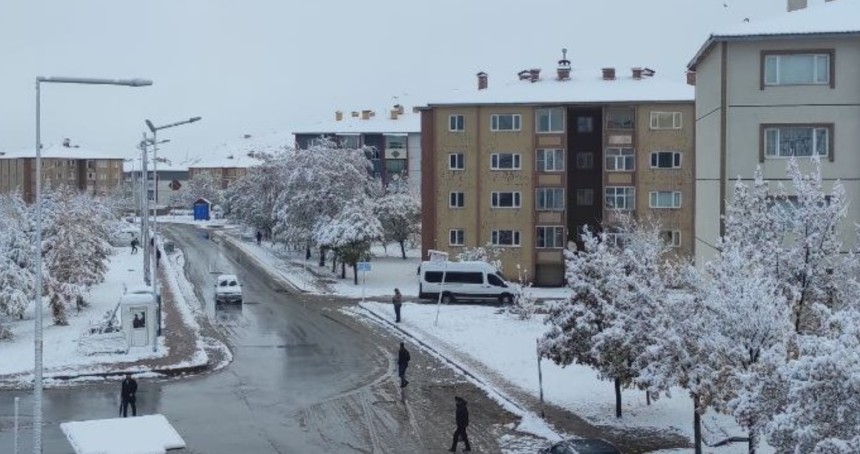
point(582, 446)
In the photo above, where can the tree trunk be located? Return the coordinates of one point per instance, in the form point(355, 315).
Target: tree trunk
point(308, 252)
point(697, 425)
point(322, 256)
point(617, 398)
point(647, 397)
point(753, 440)
point(334, 263)
point(355, 273)
point(403, 249)
point(342, 270)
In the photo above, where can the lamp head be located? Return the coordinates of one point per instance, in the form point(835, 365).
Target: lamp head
point(150, 126)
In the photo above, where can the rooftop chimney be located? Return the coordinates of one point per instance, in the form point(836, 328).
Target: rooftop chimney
point(399, 109)
point(534, 74)
point(67, 142)
point(794, 5)
point(524, 75)
point(354, 114)
point(563, 66)
point(608, 73)
point(482, 80)
point(691, 78)
point(247, 136)
point(365, 114)
point(637, 73)
point(393, 114)
point(338, 116)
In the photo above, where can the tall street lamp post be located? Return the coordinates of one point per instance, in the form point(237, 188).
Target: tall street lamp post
point(144, 202)
point(37, 381)
point(155, 130)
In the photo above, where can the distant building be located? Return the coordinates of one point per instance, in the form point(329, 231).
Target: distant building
point(231, 161)
point(171, 177)
point(770, 90)
point(68, 165)
point(526, 165)
point(394, 137)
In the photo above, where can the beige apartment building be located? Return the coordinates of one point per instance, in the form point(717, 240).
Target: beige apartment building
point(529, 164)
point(774, 89)
point(62, 165)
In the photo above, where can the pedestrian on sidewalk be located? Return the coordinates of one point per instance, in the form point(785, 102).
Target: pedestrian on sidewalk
point(157, 257)
point(398, 301)
point(402, 363)
point(259, 237)
point(134, 244)
point(462, 423)
point(128, 396)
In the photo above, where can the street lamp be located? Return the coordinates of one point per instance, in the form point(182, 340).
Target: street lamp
point(144, 196)
point(37, 381)
point(155, 130)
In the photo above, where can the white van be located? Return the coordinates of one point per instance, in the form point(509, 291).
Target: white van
point(463, 281)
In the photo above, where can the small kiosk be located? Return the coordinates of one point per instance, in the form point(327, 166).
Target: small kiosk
point(201, 209)
point(138, 316)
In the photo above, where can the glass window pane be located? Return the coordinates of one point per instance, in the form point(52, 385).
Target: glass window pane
point(821, 141)
point(771, 139)
point(770, 70)
point(796, 69)
point(822, 68)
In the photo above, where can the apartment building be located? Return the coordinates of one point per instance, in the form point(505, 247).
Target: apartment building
point(774, 89)
point(394, 139)
point(529, 164)
point(62, 165)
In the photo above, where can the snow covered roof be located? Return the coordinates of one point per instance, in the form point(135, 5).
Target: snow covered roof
point(841, 17)
point(133, 165)
point(235, 153)
point(58, 151)
point(134, 299)
point(381, 123)
point(143, 434)
point(584, 86)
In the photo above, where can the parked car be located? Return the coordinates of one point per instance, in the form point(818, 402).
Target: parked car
point(582, 446)
point(475, 280)
point(227, 289)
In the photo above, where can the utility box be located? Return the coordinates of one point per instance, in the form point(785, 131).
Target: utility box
point(138, 315)
point(201, 209)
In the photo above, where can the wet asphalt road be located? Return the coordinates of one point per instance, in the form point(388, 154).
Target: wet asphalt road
point(302, 379)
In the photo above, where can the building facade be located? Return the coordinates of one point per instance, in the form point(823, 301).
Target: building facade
point(86, 170)
point(769, 91)
point(225, 175)
point(393, 138)
point(528, 166)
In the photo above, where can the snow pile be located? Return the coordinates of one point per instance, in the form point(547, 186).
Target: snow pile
point(151, 434)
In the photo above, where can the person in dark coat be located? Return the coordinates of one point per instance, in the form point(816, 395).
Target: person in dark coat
point(462, 423)
point(398, 301)
point(259, 237)
point(402, 363)
point(157, 257)
point(134, 245)
point(128, 396)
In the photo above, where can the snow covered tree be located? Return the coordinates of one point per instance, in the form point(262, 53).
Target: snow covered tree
point(17, 265)
point(203, 185)
point(400, 215)
point(252, 199)
point(74, 247)
point(350, 234)
point(489, 253)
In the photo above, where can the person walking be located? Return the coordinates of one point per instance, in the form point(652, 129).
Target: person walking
point(157, 257)
point(402, 363)
point(259, 237)
point(128, 396)
point(134, 243)
point(462, 423)
point(398, 301)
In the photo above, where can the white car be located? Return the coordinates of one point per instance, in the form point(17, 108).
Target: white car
point(227, 289)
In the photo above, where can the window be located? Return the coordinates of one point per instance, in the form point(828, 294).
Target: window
point(456, 123)
point(615, 238)
point(584, 125)
point(665, 199)
point(352, 141)
point(619, 119)
point(585, 161)
point(505, 122)
point(620, 160)
point(456, 161)
point(505, 237)
point(550, 237)
point(665, 160)
point(671, 237)
point(456, 237)
point(457, 199)
point(786, 141)
point(620, 198)
point(395, 142)
point(665, 120)
point(505, 161)
point(585, 197)
point(550, 119)
point(550, 160)
point(550, 199)
point(797, 69)
point(505, 199)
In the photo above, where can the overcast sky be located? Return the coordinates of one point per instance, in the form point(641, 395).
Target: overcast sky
point(256, 66)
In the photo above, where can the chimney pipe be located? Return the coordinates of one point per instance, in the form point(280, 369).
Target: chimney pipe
point(393, 114)
point(67, 142)
point(338, 116)
point(564, 66)
point(637, 73)
point(534, 74)
point(691, 78)
point(794, 5)
point(483, 80)
point(608, 73)
point(399, 109)
point(365, 115)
